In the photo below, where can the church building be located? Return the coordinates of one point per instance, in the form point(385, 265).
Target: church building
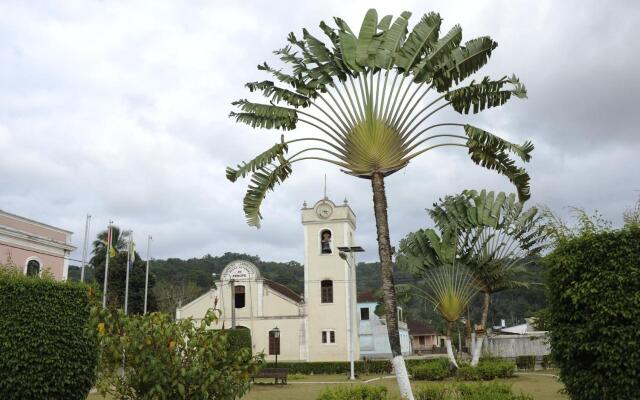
point(321, 325)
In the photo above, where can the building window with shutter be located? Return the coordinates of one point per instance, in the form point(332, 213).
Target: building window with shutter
point(364, 314)
point(328, 337)
point(326, 291)
point(239, 296)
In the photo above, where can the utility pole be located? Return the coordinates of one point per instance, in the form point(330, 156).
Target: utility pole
point(146, 279)
point(84, 248)
point(351, 250)
point(126, 287)
point(106, 266)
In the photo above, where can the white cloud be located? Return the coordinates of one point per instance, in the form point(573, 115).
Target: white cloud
point(120, 109)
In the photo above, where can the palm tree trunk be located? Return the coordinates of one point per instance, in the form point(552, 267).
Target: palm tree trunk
point(447, 343)
point(388, 288)
point(485, 314)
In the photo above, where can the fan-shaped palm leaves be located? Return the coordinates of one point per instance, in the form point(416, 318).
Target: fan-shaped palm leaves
point(492, 234)
point(366, 97)
point(450, 288)
point(370, 97)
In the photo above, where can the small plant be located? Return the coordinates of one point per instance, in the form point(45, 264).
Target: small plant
point(435, 370)
point(547, 361)
point(152, 357)
point(526, 362)
point(355, 393)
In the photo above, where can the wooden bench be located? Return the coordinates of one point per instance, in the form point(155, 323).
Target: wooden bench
point(276, 373)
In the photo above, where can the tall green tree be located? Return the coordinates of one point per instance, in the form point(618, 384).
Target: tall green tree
point(494, 235)
point(365, 96)
point(117, 274)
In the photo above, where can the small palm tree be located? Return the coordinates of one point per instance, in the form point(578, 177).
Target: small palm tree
point(494, 235)
point(450, 288)
point(366, 96)
point(119, 241)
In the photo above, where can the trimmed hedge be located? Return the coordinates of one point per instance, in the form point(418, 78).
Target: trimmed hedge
point(355, 393)
point(334, 367)
point(435, 370)
point(526, 362)
point(486, 370)
point(466, 391)
point(45, 351)
point(593, 282)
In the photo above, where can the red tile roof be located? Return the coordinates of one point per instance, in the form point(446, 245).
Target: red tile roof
point(419, 328)
point(283, 290)
point(367, 296)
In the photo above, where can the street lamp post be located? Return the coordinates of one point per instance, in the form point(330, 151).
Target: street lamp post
point(344, 250)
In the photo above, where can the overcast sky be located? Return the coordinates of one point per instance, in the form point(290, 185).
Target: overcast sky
point(120, 109)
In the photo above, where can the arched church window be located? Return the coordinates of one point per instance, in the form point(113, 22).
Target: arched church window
point(325, 242)
point(239, 296)
point(33, 268)
point(326, 291)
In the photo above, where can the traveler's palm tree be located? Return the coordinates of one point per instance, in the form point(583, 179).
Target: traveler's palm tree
point(370, 98)
point(450, 289)
point(494, 235)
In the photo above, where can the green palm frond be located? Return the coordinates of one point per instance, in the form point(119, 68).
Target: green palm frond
point(261, 161)
point(266, 116)
point(484, 94)
point(365, 96)
point(263, 180)
point(491, 152)
point(421, 39)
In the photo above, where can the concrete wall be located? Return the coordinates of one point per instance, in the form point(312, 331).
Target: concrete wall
point(511, 346)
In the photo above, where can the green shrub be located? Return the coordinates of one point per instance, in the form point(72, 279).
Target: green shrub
point(355, 393)
point(335, 367)
point(594, 312)
point(486, 370)
point(526, 362)
point(462, 391)
point(239, 338)
point(45, 351)
point(547, 362)
point(431, 370)
point(164, 359)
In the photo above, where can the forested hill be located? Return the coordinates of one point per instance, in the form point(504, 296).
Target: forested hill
point(180, 281)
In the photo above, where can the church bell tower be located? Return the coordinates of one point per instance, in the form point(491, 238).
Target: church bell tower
point(329, 282)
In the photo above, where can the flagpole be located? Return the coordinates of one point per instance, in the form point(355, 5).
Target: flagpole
point(126, 289)
point(84, 248)
point(106, 267)
point(146, 279)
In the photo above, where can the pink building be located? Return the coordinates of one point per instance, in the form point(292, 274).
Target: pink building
point(423, 337)
point(34, 247)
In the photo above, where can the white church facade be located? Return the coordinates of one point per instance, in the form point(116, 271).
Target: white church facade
point(321, 325)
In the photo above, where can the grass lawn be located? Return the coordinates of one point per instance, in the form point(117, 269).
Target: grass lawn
point(538, 385)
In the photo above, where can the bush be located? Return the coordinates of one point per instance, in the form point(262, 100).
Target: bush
point(239, 338)
point(486, 370)
point(593, 282)
point(335, 367)
point(461, 391)
point(526, 362)
point(434, 370)
point(169, 360)
point(355, 393)
point(547, 362)
point(45, 351)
